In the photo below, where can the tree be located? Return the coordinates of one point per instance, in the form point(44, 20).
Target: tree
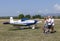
point(36, 16)
point(27, 16)
point(58, 17)
point(21, 16)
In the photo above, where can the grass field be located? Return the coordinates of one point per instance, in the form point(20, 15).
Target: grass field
point(10, 33)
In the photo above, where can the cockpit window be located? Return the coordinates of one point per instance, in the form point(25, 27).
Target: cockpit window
point(23, 19)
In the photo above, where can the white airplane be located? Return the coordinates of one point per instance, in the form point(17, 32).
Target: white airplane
point(23, 22)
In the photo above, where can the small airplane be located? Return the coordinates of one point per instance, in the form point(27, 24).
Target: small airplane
point(23, 22)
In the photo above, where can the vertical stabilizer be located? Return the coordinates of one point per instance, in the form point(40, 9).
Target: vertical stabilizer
point(11, 19)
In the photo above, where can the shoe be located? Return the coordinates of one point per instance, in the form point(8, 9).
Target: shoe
point(53, 32)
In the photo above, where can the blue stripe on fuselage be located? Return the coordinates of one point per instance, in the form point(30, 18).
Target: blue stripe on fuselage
point(35, 21)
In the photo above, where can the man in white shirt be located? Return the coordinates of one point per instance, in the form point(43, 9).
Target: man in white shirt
point(51, 24)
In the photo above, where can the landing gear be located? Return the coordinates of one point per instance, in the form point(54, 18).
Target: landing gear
point(33, 26)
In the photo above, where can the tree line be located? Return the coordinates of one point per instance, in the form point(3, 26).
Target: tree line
point(28, 16)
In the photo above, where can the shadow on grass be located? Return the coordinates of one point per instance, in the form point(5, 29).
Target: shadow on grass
point(14, 29)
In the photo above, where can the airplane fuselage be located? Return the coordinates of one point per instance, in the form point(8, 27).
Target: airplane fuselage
point(24, 23)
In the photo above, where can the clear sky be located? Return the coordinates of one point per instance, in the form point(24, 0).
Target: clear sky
point(14, 7)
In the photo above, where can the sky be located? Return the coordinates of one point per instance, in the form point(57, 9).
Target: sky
point(32, 7)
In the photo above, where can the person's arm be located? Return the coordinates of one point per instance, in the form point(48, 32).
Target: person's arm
point(53, 22)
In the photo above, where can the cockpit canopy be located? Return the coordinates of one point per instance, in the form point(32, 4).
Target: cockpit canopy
point(23, 19)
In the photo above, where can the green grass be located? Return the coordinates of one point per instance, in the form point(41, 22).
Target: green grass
point(10, 33)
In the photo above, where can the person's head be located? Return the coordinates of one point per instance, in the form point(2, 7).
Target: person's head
point(49, 17)
point(45, 18)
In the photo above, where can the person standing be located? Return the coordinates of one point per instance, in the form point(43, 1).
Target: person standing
point(53, 24)
point(49, 22)
point(45, 28)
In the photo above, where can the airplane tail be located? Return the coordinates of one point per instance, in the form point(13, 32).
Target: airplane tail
point(11, 20)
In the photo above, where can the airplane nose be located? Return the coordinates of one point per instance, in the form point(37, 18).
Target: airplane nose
point(39, 22)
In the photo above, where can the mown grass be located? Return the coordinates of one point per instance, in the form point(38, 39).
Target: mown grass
point(10, 33)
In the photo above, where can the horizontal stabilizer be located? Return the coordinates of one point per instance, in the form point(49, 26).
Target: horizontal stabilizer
point(6, 23)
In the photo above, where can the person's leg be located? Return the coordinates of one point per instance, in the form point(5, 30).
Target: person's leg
point(49, 28)
point(44, 29)
point(52, 29)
